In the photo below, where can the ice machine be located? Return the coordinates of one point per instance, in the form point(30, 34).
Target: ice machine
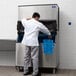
point(50, 18)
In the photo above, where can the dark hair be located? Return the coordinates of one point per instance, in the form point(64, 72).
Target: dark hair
point(35, 14)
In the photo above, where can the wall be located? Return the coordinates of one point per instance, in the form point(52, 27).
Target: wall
point(7, 52)
point(8, 16)
point(8, 20)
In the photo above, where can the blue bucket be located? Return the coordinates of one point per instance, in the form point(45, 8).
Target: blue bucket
point(48, 46)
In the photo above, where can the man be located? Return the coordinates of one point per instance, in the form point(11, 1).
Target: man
point(30, 40)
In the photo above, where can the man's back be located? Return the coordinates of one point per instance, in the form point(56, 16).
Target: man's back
point(32, 28)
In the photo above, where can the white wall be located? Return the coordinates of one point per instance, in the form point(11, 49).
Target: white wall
point(8, 17)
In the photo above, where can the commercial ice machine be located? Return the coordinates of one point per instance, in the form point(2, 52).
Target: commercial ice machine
point(50, 18)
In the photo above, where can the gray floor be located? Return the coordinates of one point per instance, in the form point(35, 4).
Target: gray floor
point(11, 71)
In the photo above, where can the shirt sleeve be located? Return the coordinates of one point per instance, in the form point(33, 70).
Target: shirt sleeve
point(44, 29)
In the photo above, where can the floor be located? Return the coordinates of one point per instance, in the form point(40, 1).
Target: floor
point(11, 71)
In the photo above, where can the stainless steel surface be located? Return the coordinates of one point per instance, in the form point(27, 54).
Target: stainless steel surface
point(7, 52)
point(47, 12)
point(20, 54)
point(7, 45)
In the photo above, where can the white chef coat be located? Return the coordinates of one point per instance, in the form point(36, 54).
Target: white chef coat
point(32, 28)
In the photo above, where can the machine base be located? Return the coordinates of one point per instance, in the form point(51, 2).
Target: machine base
point(41, 69)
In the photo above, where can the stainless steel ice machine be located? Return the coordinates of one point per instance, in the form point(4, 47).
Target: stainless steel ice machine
point(50, 18)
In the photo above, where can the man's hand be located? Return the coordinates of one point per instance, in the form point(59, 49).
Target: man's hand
point(49, 36)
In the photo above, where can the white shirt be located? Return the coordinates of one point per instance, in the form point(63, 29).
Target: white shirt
point(32, 28)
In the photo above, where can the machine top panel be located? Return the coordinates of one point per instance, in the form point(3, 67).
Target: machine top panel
point(47, 12)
